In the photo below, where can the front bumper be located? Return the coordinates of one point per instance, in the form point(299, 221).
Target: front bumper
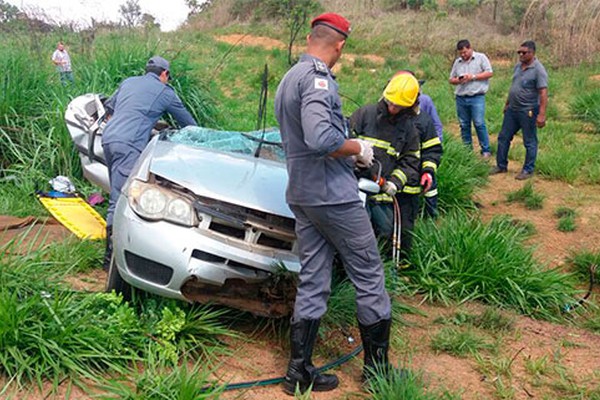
point(162, 257)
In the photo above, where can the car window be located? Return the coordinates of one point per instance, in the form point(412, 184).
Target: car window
point(231, 141)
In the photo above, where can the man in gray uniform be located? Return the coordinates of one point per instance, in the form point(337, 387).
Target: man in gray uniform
point(136, 107)
point(322, 192)
point(525, 109)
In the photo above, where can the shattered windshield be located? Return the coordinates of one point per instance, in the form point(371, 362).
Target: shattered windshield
point(267, 145)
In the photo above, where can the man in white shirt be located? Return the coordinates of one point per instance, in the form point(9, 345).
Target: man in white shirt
point(61, 59)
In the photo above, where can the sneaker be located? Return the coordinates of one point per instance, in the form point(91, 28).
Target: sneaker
point(497, 170)
point(486, 155)
point(523, 175)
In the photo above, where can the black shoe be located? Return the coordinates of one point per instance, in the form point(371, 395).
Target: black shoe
point(376, 343)
point(498, 170)
point(109, 249)
point(523, 175)
point(301, 373)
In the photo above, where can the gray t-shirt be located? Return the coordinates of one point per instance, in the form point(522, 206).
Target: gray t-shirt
point(477, 64)
point(526, 83)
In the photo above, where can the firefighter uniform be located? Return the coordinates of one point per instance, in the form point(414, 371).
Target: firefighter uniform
point(323, 195)
point(431, 154)
point(397, 148)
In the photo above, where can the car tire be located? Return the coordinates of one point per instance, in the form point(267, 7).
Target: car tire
point(115, 282)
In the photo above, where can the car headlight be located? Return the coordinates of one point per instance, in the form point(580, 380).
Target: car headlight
point(154, 202)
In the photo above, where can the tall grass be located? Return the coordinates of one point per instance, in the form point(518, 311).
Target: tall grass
point(49, 333)
point(459, 174)
point(587, 108)
point(463, 259)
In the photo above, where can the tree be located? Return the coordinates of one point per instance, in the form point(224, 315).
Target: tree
point(131, 12)
point(296, 15)
point(8, 12)
point(196, 6)
point(149, 22)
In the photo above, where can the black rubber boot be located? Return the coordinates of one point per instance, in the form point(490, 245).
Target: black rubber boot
point(301, 371)
point(376, 343)
point(109, 249)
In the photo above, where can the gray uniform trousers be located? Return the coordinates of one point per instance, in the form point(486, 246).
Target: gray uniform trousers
point(120, 159)
point(345, 228)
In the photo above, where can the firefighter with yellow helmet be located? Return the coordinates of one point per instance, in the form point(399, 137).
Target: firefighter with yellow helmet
point(389, 126)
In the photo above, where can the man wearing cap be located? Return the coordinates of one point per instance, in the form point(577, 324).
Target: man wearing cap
point(136, 106)
point(389, 126)
point(322, 193)
point(471, 73)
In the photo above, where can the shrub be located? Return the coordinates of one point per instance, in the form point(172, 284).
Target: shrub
point(460, 259)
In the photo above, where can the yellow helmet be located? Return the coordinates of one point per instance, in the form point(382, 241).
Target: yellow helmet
point(402, 90)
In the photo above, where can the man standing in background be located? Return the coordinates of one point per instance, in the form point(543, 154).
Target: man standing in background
point(61, 59)
point(525, 109)
point(470, 74)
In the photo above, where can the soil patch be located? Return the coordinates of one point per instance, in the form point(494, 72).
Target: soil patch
point(22, 235)
point(249, 40)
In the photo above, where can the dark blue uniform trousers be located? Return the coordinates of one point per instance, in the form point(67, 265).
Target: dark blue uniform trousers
point(120, 159)
point(345, 228)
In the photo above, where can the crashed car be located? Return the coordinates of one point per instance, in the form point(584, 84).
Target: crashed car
point(202, 217)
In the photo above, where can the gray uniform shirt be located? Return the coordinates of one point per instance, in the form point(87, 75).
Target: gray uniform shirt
point(477, 64)
point(138, 104)
point(526, 83)
point(309, 111)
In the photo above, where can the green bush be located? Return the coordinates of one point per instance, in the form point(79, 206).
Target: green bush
point(460, 259)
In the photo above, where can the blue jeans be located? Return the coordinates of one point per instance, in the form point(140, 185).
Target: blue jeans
point(66, 77)
point(471, 109)
point(512, 122)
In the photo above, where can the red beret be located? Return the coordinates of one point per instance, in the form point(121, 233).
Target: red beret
point(334, 21)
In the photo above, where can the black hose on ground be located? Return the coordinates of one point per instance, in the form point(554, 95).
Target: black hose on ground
point(571, 307)
point(274, 381)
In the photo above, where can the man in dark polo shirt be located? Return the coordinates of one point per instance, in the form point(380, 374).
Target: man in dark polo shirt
point(525, 109)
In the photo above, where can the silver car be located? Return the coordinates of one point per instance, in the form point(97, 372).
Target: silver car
point(202, 217)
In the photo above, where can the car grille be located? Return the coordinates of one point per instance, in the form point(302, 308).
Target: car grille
point(213, 258)
point(147, 269)
point(250, 226)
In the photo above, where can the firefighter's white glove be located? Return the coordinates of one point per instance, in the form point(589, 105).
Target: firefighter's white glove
point(389, 188)
point(364, 159)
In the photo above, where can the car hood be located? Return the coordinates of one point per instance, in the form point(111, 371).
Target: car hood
point(233, 178)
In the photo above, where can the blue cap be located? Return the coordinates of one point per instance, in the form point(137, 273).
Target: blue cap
point(158, 61)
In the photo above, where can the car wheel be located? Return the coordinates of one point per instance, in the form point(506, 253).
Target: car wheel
point(115, 282)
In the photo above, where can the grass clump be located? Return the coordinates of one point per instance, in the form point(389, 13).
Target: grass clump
point(49, 333)
point(461, 259)
point(157, 380)
point(586, 107)
point(566, 219)
point(402, 384)
point(459, 174)
point(459, 342)
point(527, 196)
point(491, 319)
point(582, 261)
